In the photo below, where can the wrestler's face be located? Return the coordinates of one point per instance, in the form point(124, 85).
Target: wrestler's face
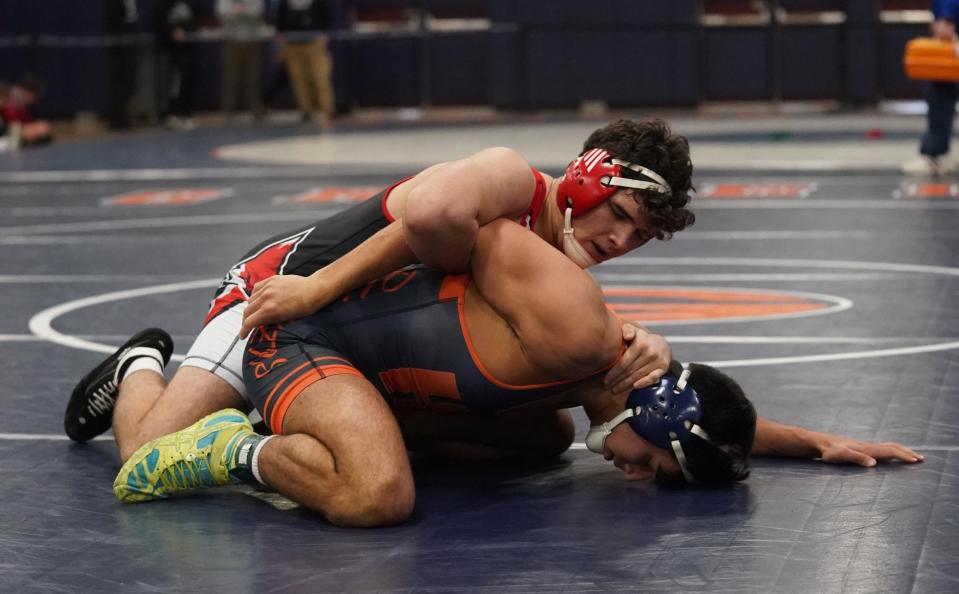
point(638, 459)
point(615, 227)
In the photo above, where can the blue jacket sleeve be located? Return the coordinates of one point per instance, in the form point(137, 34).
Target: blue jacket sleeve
point(945, 9)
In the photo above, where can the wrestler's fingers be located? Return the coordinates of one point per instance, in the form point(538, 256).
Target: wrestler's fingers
point(623, 366)
point(649, 379)
point(254, 320)
point(260, 292)
point(638, 374)
point(847, 455)
point(895, 451)
point(254, 303)
point(261, 286)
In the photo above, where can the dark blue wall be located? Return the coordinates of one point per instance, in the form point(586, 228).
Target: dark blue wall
point(552, 53)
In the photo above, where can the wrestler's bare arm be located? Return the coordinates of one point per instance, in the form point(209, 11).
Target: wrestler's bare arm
point(789, 441)
point(555, 308)
point(438, 214)
point(286, 297)
point(448, 203)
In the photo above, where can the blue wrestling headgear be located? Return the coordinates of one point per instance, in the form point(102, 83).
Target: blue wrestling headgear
point(665, 414)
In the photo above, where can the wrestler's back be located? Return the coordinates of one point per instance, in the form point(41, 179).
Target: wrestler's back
point(497, 345)
point(430, 340)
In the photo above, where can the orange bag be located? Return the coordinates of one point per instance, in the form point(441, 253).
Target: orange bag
point(930, 59)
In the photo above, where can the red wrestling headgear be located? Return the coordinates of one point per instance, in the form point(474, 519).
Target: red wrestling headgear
point(595, 176)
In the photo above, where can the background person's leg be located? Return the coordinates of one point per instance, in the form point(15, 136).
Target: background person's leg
point(941, 97)
point(253, 77)
point(321, 75)
point(232, 64)
point(297, 66)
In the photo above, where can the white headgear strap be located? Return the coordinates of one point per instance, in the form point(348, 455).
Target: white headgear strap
point(597, 434)
point(571, 247)
point(657, 185)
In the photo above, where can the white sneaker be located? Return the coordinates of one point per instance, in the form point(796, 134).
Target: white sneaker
point(14, 136)
point(928, 166)
point(180, 124)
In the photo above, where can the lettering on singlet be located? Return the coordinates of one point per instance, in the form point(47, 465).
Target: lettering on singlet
point(265, 362)
point(390, 283)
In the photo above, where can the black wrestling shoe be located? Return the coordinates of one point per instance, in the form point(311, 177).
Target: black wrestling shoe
point(90, 410)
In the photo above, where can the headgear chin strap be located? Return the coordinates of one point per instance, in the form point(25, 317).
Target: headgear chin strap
point(594, 176)
point(573, 249)
point(665, 414)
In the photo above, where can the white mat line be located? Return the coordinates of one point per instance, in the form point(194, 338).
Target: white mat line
point(118, 338)
point(918, 448)
point(44, 437)
point(756, 276)
point(42, 211)
point(90, 278)
point(160, 222)
point(724, 339)
point(183, 173)
point(40, 323)
point(98, 240)
point(805, 234)
point(708, 261)
point(834, 204)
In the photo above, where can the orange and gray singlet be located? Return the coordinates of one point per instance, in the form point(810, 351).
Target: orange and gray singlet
point(304, 251)
point(405, 333)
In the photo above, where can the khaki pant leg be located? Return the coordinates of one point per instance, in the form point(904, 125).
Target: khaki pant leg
point(322, 71)
point(297, 66)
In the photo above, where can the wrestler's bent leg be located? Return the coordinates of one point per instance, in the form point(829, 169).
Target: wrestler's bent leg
point(342, 454)
point(209, 379)
point(147, 408)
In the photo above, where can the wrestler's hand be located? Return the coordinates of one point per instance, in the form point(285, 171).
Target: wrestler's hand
point(839, 450)
point(646, 359)
point(943, 30)
point(282, 298)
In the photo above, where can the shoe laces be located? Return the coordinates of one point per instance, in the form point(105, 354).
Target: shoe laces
point(103, 399)
point(189, 471)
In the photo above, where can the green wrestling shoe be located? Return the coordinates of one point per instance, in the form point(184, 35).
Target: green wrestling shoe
point(204, 454)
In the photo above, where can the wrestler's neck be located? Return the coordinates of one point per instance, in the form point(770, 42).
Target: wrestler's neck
point(600, 404)
point(549, 226)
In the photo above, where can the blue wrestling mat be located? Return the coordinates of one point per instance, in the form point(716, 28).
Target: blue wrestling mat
point(831, 297)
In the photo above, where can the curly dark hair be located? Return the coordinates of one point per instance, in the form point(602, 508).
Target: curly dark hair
point(650, 143)
point(729, 418)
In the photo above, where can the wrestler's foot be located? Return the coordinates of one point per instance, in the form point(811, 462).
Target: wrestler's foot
point(90, 410)
point(204, 454)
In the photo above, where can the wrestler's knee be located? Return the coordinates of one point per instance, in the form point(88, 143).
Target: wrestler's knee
point(383, 500)
point(555, 433)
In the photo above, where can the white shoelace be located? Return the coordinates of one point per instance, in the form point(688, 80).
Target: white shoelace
point(103, 399)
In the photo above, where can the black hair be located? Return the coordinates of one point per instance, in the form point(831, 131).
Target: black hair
point(729, 418)
point(650, 143)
